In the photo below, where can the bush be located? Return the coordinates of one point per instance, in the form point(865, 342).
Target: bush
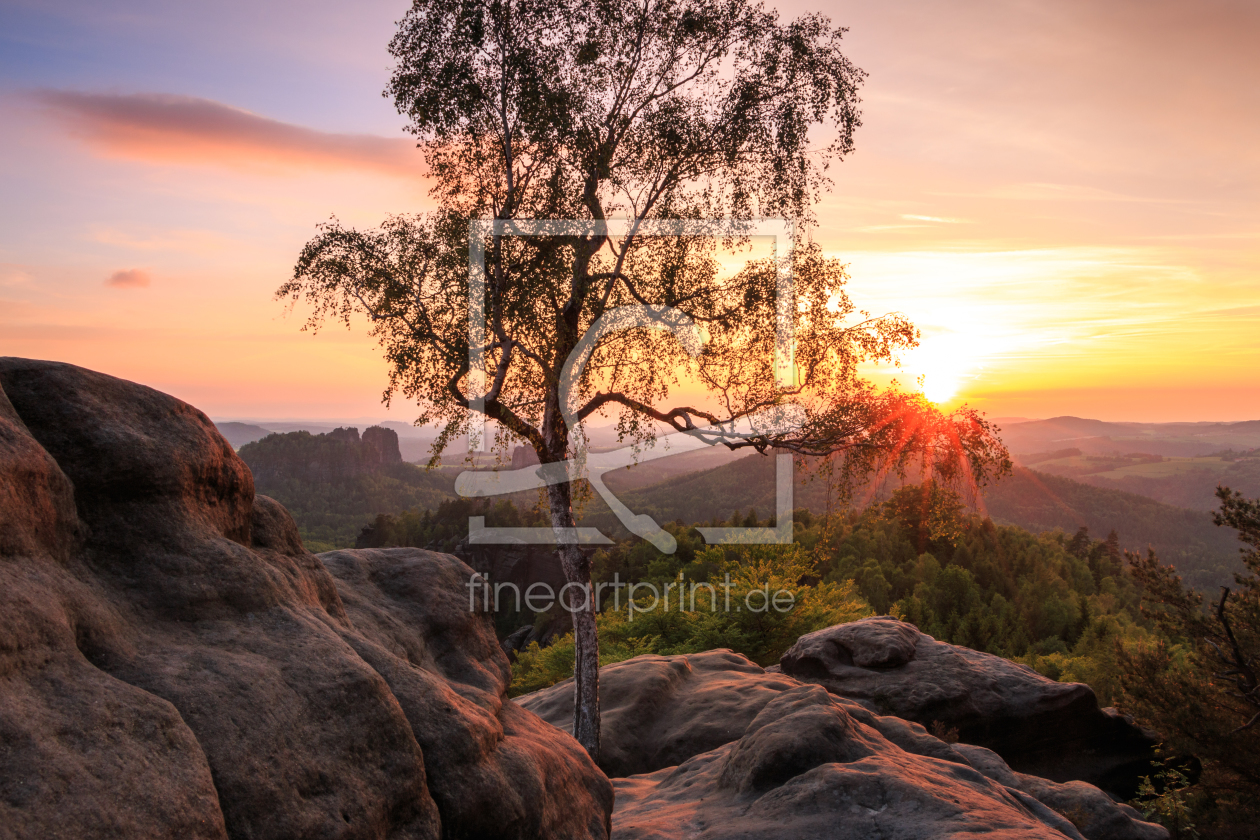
point(762, 635)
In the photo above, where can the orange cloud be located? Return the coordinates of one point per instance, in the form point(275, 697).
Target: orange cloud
point(183, 129)
point(131, 278)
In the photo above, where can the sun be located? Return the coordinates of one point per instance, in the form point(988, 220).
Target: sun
point(947, 363)
point(940, 387)
point(942, 364)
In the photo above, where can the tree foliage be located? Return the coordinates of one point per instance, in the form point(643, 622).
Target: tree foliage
point(675, 109)
point(711, 621)
point(1198, 684)
point(1055, 602)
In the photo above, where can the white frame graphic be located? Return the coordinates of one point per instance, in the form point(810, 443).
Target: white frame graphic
point(593, 466)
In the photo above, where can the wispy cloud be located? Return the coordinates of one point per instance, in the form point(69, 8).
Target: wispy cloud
point(12, 276)
point(1054, 192)
point(183, 241)
point(129, 278)
point(13, 309)
point(911, 217)
point(164, 128)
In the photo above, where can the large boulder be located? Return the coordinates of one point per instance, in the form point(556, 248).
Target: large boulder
point(807, 768)
point(517, 570)
point(662, 715)
point(496, 769)
point(1038, 726)
point(175, 664)
point(82, 753)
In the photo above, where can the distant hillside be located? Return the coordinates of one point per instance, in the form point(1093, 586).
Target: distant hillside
point(239, 434)
point(1036, 501)
point(1182, 482)
point(1205, 554)
point(1098, 437)
point(705, 495)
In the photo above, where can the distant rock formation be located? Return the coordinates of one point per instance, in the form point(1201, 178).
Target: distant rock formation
point(174, 664)
point(524, 456)
point(332, 457)
point(341, 434)
point(711, 745)
point(1038, 726)
point(383, 444)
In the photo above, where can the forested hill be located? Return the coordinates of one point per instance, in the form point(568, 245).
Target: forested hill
point(1180, 481)
point(336, 483)
point(1188, 539)
point(1204, 553)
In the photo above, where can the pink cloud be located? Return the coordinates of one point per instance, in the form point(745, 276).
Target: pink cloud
point(130, 278)
point(164, 128)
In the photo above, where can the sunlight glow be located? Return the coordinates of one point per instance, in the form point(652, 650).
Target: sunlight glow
point(943, 363)
point(939, 387)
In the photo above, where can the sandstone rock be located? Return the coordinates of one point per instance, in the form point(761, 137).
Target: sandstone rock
point(82, 754)
point(175, 664)
point(658, 711)
point(661, 711)
point(516, 640)
point(1095, 814)
point(1038, 726)
point(383, 444)
point(512, 568)
point(498, 771)
point(806, 768)
point(517, 564)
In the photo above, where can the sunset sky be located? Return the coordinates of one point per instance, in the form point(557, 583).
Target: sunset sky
point(1064, 196)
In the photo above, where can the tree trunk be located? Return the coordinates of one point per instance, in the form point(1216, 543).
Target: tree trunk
point(577, 570)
